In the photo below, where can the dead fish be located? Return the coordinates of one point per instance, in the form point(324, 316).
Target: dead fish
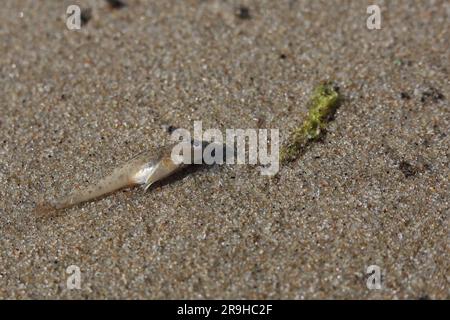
point(144, 169)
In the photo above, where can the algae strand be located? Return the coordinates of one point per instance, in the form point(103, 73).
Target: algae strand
point(322, 106)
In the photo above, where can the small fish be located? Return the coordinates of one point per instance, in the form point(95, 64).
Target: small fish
point(144, 169)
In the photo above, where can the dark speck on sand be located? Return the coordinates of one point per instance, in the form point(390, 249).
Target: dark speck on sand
point(116, 4)
point(243, 13)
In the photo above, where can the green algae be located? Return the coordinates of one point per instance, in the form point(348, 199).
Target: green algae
point(322, 105)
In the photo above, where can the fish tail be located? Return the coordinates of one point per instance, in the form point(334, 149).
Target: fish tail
point(117, 180)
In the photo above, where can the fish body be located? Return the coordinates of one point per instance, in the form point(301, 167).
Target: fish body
point(145, 169)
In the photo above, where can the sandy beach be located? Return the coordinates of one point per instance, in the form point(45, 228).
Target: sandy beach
point(374, 191)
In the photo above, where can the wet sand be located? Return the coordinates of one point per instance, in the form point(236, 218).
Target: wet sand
point(373, 191)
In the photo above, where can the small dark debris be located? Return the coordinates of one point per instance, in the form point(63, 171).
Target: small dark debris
point(432, 94)
point(283, 56)
point(171, 129)
point(116, 4)
point(407, 169)
point(243, 13)
point(260, 121)
point(401, 62)
point(85, 16)
point(63, 97)
point(405, 96)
